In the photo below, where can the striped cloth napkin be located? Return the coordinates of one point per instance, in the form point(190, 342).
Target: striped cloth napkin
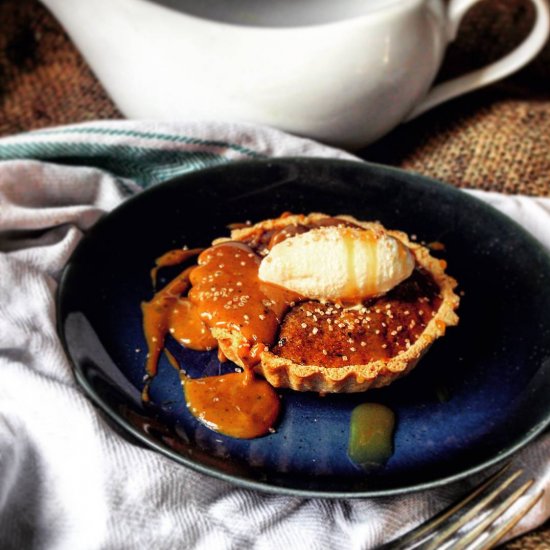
point(67, 481)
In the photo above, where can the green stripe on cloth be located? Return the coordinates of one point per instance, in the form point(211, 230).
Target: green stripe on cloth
point(145, 166)
point(152, 135)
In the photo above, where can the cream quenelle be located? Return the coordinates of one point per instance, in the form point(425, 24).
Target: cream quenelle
point(338, 263)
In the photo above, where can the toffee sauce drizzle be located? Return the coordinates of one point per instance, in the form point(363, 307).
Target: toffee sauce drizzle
point(224, 295)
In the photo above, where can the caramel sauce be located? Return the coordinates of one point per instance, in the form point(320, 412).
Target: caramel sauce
point(229, 296)
point(225, 294)
point(235, 404)
point(261, 241)
point(352, 284)
point(370, 436)
point(172, 360)
point(373, 262)
point(173, 257)
point(188, 328)
point(289, 231)
point(157, 315)
point(353, 292)
point(436, 245)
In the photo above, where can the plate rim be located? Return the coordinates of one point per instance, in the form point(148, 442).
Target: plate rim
point(237, 480)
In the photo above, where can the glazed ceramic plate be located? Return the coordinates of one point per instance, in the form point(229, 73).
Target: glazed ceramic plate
point(480, 394)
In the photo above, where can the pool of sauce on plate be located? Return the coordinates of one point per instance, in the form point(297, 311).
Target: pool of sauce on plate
point(223, 294)
point(163, 314)
point(236, 404)
point(371, 435)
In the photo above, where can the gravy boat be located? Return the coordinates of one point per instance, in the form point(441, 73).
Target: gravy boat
point(343, 73)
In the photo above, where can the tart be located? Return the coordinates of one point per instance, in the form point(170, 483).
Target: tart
point(328, 345)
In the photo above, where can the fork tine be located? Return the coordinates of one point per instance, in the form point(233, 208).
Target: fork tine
point(469, 514)
point(425, 529)
point(508, 525)
point(497, 512)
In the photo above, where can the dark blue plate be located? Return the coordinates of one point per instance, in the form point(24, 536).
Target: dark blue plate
point(493, 369)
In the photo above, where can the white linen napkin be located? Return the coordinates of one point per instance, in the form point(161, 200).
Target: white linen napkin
point(67, 481)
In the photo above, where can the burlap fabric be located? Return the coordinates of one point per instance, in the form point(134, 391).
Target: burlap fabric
point(496, 139)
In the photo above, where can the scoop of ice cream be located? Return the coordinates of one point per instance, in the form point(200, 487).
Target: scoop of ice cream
point(338, 263)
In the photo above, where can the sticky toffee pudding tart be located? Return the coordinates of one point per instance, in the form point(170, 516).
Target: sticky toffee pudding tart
point(310, 302)
point(329, 345)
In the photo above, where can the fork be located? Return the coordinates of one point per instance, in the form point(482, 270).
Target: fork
point(438, 531)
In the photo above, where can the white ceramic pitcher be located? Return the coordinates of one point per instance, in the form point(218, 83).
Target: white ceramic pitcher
point(344, 72)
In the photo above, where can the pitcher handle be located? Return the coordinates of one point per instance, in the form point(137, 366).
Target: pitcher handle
point(510, 63)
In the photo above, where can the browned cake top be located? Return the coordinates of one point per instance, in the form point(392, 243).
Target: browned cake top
point(333, 336)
